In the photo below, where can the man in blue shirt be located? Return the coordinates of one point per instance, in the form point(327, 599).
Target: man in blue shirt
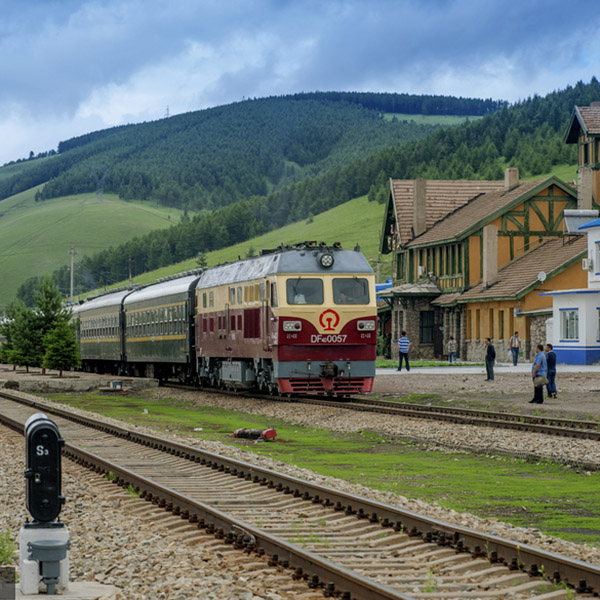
point(539, 369)
point(551, 362)
point(403, 348)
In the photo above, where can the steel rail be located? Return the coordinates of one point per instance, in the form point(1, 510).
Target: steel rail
point(550, 421)
point(318, 571)
point(466, 416)
point(584, 576)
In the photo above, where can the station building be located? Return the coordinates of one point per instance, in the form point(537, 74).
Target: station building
point(575, 331)
point(478, 269)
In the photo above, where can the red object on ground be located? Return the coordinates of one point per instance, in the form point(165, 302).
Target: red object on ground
point(255, 434)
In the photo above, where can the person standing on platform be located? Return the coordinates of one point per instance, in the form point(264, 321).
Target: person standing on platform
point(551, 363)
point(403, 348)
point(515, 347)
point(539, 372)
point(452, 350)
point(490, 359)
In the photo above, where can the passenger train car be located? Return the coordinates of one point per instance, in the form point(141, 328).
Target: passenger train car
point(298, 319)
point(100, 332)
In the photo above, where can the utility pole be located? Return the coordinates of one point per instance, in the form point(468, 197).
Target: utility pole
point(130, 261)
point(72, 252)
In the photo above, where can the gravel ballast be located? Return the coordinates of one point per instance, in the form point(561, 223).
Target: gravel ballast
point(112, 547)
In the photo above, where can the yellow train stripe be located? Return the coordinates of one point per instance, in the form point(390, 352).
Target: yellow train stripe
point(156, 338)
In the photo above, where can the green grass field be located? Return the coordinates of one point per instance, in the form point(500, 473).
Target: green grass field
point(35, 237)
point(430, 119)
point(358, 221)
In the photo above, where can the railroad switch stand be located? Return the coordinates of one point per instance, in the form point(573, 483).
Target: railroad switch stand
point(44, 542)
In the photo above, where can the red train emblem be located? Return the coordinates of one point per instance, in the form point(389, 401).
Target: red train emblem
point(329, 320)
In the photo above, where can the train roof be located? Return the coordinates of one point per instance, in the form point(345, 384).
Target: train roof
point(106, 300)
point(169, 287)
point(304, 260)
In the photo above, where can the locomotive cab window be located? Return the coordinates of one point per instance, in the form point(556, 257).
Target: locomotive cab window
point(351, 291)
point(304, 291)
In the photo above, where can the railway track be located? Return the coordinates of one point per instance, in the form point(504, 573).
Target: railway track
point(573, 428)
point(539, 424)
point(345, 545)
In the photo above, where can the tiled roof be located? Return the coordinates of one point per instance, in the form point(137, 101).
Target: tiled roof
point(591, 118)
point(472, 213)
point(442, 197)
point(414, 289)
point(519, 275)
point(446, 299)
point(586, 118)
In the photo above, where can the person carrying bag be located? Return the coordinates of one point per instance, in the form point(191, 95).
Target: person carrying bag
point(539, 372)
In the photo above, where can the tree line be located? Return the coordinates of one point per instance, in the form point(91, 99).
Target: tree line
point(42, 335)
point(412, 104)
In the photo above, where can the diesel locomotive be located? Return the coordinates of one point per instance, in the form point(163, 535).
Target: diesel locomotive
point(298, 319)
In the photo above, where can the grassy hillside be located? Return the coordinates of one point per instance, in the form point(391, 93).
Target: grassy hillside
point(430, 119)
point(358, 221)
point(35, 237)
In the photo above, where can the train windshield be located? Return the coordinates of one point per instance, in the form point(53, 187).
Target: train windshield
point(351, 291)
point(304, 291)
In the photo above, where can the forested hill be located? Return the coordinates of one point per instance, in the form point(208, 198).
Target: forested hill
point(528, 135)
point(211, 158)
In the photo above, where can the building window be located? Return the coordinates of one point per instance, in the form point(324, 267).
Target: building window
point(426, 328)
point(569, 324)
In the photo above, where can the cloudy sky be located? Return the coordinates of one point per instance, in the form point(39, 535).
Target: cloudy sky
point(72, 66)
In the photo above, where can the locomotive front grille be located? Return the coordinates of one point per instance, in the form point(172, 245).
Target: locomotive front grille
point(316, 385)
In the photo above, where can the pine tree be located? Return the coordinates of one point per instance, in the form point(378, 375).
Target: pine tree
point(62, 351)
point(25, 338)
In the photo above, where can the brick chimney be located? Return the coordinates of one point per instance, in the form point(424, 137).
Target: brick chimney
point(511, 178)
point(584, 188)
point(419, 206)
point(489, 249)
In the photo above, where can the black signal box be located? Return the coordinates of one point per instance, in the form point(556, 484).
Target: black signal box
point(43, 446)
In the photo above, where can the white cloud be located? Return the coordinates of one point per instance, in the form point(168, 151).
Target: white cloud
point(202, 75)
point(72, 66)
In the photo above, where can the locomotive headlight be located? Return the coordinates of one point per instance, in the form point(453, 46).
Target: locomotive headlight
point(365, 325)
point(326, 260)
point(292, 325)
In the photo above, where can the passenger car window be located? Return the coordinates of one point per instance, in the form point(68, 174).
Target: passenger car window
point(351, 290)
point(304, 291)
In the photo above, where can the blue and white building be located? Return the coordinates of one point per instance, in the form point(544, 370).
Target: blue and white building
point(576, 313)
